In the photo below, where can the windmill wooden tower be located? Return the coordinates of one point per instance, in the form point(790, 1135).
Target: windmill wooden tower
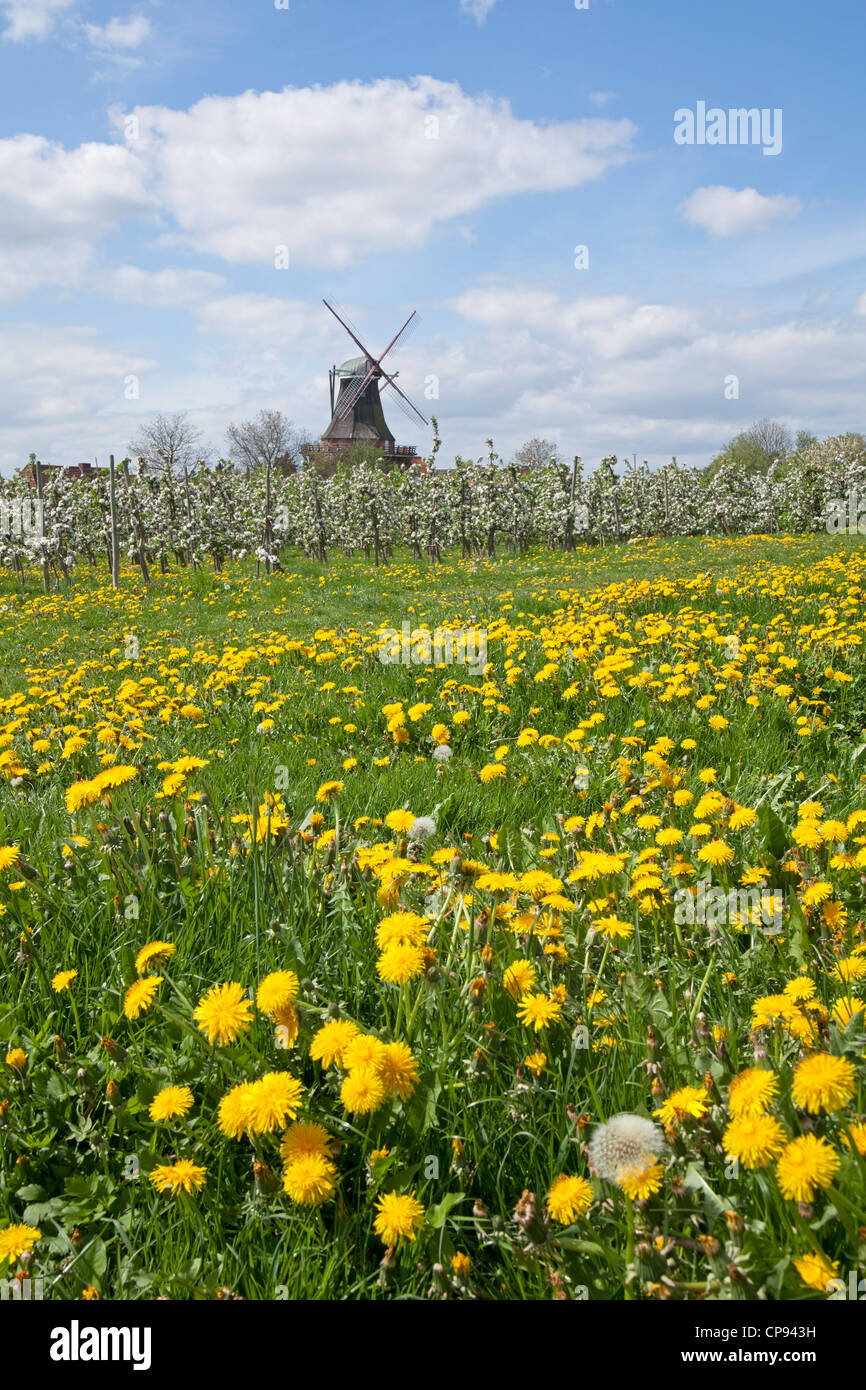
point(357, 416)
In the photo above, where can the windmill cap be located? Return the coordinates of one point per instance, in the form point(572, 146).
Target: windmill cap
point(354, 366)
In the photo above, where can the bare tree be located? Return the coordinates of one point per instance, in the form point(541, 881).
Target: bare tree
point(535, 452)
point(754, 450)
point(805, 439)
point(268, 441)
point(168, 439)
point(769, 437)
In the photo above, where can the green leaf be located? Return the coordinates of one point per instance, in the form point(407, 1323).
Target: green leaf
point(90, 1265)
point(696, 1182)
point(438, 1215)
point(31, 1193)
point(798, 928)
point(773, 833)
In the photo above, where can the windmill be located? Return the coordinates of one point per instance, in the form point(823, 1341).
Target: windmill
point(357, 416)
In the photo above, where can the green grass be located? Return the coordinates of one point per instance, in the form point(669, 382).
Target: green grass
point(179, 867)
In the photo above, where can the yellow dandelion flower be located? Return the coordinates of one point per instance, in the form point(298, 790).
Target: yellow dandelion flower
point(154, 953)
point(613, 927)
point(519, 978)
point(274, 1100)
point(400, 963)
point(401, 928)
point(112, 777)
point(170, 1103)
point(276, 991)
point(305, 1137)
point(397, 1069)
point(235, 1110)
point(823, 1082)
point(805, 1165)
point(752, 1091)
point(398, 1217)
point(181, 1176)
point(844, 1010)
point(309, 1179)
point(81, 794)
point(689, 1102)
point(569, 1197)
point(140, 995)
point(754, 1139)
point(715, 853)
point(537, 1011)
point(363, 1091)
point(857, 1133)
point(223, 1013)
point(362, 1051)
point(641, 1182)
point(816, 1270)
point(331, 1041)
point(490, 772)
point(17, 1240)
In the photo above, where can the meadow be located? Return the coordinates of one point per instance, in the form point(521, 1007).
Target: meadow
point(324, 977)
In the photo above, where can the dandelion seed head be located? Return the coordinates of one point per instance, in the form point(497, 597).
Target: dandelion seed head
point(624, 1143)
point(423, 828)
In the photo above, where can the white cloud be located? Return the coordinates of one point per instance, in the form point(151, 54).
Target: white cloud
point(607, 373)
point(601, 98)
point(119, 36)
point(727, 212)
point(161, 289)
point(343, 172)
point(266, 322)
point(478, 9)
point(57, 202)
point(598, 373)
point(611, 326)
point(31, 19)
point(335, 174)
point(63, 394)
point(47, 184)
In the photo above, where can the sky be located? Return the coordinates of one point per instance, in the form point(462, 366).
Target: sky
point(600, 251)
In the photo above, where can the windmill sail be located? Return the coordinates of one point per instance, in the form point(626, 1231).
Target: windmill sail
point(357, 416)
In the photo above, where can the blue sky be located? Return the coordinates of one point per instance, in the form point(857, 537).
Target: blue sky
point(157, 161)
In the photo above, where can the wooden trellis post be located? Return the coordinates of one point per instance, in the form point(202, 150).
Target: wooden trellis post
point(112, 502)
point(40, 497)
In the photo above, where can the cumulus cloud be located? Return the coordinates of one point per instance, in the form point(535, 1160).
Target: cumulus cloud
point(162, 289)
point(63, 391)
point(598, 373)
point(31, 19)
point(118, 37)
point(343, 172)
point(729, 212)
point(606, 372)
point(46, 185)
point(332, 174)
point(57, 203)
point(266, 322)
point(611, 326)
